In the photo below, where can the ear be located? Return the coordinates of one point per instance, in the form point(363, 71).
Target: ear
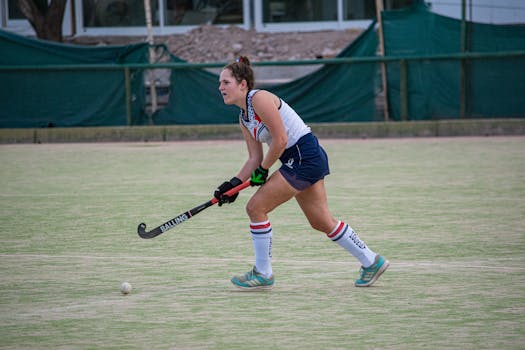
point(244, 84)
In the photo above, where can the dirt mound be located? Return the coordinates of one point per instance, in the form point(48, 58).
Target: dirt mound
point(212, 44)
point(219, 44)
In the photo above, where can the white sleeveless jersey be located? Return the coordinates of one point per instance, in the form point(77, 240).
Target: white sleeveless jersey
point(293, 124)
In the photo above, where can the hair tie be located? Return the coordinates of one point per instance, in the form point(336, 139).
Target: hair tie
point(239, 59)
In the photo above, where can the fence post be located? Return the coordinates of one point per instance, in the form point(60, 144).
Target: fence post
point(151, 73)
point(127, 81)
point(379, 9)
point(462, 73)
point(403, 91)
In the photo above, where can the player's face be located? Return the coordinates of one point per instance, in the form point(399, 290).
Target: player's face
point(230, 89)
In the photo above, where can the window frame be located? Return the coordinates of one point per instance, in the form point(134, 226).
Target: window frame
point(160, 29)
point(339, 24)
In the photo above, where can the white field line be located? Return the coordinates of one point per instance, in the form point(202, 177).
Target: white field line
point(501, 264)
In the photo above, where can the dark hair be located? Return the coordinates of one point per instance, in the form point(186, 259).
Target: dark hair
point(241, 69)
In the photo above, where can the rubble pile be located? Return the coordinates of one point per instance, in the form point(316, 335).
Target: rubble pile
point(219, 44)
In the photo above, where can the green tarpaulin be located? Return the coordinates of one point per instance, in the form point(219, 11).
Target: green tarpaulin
point(493, 87)
point(195, 99)
point(339, 93)
point(67, 97)
point(331, 94)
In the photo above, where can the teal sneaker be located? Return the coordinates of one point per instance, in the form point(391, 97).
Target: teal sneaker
point(253, 280)
point(370, 274)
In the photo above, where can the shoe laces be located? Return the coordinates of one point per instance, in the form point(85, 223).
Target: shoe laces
point(367, 272)
point(250, 274)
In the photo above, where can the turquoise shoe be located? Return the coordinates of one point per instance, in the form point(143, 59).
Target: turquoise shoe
point(253, 280)
point(370, 274)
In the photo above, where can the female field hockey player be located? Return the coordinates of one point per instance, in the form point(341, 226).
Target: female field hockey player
point(265, 118)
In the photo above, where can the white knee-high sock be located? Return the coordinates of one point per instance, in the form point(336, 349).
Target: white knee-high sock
point(343, 235)
point(262, 245)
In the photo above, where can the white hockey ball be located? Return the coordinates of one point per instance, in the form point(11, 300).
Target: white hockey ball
point(125, 288)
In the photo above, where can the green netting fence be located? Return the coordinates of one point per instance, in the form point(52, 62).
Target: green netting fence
point(49, 84)
point(486, 86)
point(334, 93)
point(437, 68)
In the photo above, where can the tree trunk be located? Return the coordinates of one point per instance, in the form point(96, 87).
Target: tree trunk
point(46, 22)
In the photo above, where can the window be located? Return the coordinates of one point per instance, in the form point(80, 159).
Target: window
point(13, 10)
point(116, 13)
point(299, 11)
point(188, 12)
point(177, 16)
point(130, 13)
point(353, 10)
point(366, 9)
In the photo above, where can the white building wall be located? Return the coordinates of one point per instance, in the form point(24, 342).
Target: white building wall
point(483, 11)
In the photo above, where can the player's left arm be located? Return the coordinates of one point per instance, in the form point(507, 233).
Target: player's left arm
point(266, 106)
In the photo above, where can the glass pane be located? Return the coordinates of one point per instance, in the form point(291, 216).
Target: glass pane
point(397, 4)
point(117, 13)
point(14, 11)
point(366, 9)
point(356, 10)
point(299, 11)
point(188, 12)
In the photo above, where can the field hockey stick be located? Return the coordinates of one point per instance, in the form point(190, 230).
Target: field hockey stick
point(141, 229)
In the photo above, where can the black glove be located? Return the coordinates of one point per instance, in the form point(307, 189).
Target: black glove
point(225, 187)
point(259, 176)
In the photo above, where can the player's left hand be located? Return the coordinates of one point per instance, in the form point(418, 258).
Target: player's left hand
point(259, 176)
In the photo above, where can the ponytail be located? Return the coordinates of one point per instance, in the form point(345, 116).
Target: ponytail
point(242, 70)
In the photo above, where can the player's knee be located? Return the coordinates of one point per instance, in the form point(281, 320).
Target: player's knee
point(254, 210)
point(251, 208)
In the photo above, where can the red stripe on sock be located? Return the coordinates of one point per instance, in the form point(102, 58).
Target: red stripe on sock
point(337, 230)
point(258, 227)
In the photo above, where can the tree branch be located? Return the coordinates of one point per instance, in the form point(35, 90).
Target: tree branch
point(48, 23)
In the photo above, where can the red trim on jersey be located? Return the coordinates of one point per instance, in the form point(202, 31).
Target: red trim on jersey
point(256, 117)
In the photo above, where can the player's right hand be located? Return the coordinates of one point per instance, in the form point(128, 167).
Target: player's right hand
point(225, 187)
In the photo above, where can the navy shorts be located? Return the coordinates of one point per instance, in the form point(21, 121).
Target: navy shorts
point(304, 163)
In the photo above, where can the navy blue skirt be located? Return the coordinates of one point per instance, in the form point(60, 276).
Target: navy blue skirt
point(304, 163)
